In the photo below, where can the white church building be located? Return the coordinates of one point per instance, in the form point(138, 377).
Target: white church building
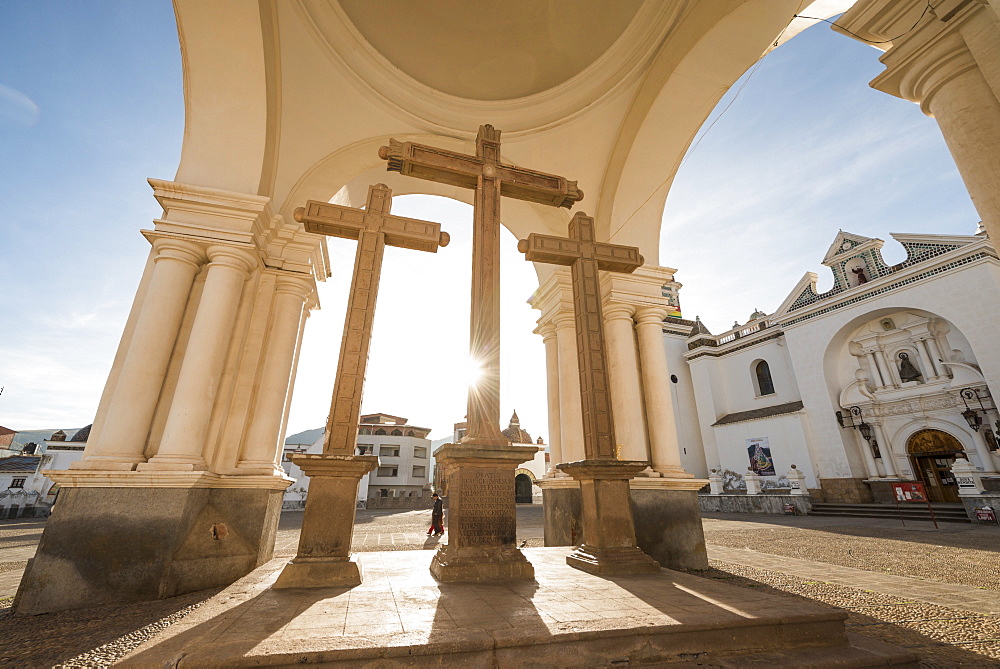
point(901, 353)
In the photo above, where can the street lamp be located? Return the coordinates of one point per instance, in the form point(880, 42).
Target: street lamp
point(970, 415)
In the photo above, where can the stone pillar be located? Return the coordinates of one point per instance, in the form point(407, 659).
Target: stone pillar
point(715, 482)
point(797, 481)
point(866, 453)
point(948, 63)
point(930, 373)
point(549, 339)
point(935, 352)
point(968, 478)
point(186, 429)
point(753, 482)
point(260, 451)
point(662, 426)
point(878, 377)
point(121, 442)
point(570, 411)
point(888, 461)
point(984, 453)
point(889, 371)
point(626, 387)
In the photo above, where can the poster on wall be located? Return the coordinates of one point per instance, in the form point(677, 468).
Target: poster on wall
point(760, 456)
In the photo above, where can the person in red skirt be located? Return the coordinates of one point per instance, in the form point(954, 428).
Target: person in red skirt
point(437, 517)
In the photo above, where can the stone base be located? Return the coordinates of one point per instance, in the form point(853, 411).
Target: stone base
point(479, 565)
point(131, 544)
point(846, 491)
point(763, 503)
point(667, 522)
point(612, 561)
point(568, 618)
point(319, 573)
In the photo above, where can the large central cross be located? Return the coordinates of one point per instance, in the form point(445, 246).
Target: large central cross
point(490, 179)
point(609, 542)
point(324, 553)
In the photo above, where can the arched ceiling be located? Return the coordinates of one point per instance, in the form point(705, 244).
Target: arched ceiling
point(488, 50)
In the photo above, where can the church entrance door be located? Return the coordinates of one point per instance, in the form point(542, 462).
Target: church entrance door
point(932, 453)
point(522, 489)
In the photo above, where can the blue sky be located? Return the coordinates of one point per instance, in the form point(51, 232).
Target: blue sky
point(91, 105)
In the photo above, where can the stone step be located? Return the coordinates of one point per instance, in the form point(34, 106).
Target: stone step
point(943, 512)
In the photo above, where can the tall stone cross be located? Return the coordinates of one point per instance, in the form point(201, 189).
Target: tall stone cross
point(490, 179)
point(609, 543)
point(323, 558)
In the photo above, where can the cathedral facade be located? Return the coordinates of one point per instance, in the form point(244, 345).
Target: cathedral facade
point(881, 378)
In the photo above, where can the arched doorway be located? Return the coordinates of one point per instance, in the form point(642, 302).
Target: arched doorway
point(522, 489)
point(932, 453)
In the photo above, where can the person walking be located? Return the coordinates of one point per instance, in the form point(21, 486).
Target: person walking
point(437, 517)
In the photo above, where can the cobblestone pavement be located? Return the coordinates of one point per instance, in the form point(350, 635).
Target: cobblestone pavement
point(933, 591)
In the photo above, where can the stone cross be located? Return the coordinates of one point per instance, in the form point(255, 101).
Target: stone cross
point(373, 227)
point(586, 257)
point(323, 558)
point(490, 179)
point(609, 543)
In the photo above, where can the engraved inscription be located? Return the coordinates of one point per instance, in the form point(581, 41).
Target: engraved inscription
point(487, 509)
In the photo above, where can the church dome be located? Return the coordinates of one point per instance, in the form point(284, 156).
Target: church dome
point(515, 433)
point(58, 436)
point(82, 434)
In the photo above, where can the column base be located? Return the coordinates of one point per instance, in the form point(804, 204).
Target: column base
point(118, 545)
point(319, 573)
point(612, 561)
point(480, 564)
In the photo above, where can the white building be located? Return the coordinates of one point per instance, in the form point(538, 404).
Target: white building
point(25, 491)
point(526, 490)
point(893, 347)
point(405, 464)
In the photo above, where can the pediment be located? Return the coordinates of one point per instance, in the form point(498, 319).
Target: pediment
point(848, 243)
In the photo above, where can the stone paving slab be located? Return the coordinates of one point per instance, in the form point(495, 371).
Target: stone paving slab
point(961, 597)
point(401, 611)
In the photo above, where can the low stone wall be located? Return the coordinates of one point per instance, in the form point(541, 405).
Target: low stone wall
point(973, 502)
point(763, 503)
point(400, 502)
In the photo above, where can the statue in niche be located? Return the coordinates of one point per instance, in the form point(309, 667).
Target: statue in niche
point(907, 372)
point(860, 273)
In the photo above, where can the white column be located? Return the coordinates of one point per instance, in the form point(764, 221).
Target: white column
point(262, 441)
point(122, 439)
point(570, 409)
point(936, 357)
point(877, 377)
point(866, 453)
point(626, 388)
point(929, 372)
point(888, 461)
point(184, 435)
point(889, 372)
point(985, 456)
point(549, 339)
point(661, 423)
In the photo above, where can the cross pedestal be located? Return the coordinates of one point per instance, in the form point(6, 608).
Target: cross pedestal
point(324, 555)
point(482, 516)
point(608, 546)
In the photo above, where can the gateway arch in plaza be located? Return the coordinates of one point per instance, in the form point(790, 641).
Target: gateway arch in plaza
point(180, 485)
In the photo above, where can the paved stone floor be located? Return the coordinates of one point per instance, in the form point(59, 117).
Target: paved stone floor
point(933, 591)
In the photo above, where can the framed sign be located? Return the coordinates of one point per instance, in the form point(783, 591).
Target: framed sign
point(759, 453)
point(909, 492)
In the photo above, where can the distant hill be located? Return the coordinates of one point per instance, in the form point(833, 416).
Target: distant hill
point(305, 437)
point(38, 436)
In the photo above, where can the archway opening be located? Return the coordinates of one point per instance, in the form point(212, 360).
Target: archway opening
point(522, 489)
point(932, 453)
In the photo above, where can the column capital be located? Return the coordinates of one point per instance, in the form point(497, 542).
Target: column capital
point(242, 259)
point(546, 330)
point(649, 314)
point(300, 285)
point(614, 311)
point(173, 248)
point(564, 319)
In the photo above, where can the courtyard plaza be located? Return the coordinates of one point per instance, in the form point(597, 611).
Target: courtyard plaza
point(933, 592)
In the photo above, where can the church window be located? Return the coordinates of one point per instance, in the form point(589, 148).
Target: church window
point(765, 386)
point(420, 452)
point(17, 483)
point(389, 451)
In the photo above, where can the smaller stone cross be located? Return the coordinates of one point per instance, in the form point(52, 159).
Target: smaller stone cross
point(323, 558)
point(609, 543)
